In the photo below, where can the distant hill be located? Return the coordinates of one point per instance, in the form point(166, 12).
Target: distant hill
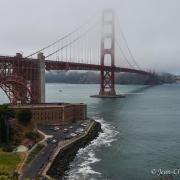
point(93, 78)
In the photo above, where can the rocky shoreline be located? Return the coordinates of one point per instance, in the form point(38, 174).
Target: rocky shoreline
point(66, 155)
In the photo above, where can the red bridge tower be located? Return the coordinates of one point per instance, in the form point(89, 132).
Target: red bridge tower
point(107, 84)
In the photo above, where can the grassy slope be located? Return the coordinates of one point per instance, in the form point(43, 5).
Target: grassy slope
point(8, 161)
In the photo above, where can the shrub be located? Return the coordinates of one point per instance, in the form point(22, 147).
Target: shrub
point(33, 135)
point(7, 148)
point(24, 116)
point(5, 115)
point(16, 142)
point(3, 177)
point(15, 175)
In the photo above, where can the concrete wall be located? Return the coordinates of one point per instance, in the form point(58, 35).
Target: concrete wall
point(41, 59)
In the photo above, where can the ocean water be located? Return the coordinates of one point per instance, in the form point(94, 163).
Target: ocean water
point(141, 133)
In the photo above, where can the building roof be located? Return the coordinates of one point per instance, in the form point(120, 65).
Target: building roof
point(27, 142)
point(43, 105)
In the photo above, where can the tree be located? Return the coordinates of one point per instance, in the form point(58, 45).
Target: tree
point(24, 116)
point(33, 135)
point(5, 114)
point(15, 176)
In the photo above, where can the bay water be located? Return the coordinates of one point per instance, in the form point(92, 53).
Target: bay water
point(141, 133)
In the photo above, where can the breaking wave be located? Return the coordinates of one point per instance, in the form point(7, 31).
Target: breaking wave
point(81, 168)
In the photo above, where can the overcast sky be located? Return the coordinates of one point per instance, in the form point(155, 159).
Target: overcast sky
point(151, 27)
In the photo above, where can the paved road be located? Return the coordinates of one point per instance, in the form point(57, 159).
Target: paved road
point(42, 157)
point(33, 168)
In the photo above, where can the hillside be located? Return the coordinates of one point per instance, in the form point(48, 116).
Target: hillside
point(93, 78)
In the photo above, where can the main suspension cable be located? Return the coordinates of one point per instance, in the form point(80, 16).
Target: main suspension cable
point(73, 41)
point(123, 36)
point(118, 45)
point(64, 37)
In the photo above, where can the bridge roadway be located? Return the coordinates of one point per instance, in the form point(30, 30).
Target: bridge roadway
point(62, 65)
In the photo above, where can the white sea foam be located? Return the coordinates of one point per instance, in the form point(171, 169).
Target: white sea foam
point(81, 167)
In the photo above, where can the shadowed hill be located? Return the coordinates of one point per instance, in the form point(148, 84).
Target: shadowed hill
point(93, 78)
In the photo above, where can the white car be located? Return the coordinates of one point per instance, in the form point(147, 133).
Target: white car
point(65, 130)
point(84, 124)
point(77, 132)
point(73, 135)
point(54, 141)
point(56, 128)
point(80, 129)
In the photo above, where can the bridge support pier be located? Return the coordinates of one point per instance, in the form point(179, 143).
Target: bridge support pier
point(37, 80)
point(41, 59)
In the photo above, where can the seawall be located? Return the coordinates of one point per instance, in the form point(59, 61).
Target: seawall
point(65, 154)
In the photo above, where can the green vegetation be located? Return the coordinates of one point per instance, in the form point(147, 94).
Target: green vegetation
point(24, 116)
point(5, 115)
point(33, 135)
point(13, 176)
point(8, 162)
point(93, 78)
point(14, 128)
point(34, 152)
point(19, 131)
point(7, 147)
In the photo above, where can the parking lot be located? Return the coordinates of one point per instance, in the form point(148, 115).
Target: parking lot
point(63, 132)
point(58, 133)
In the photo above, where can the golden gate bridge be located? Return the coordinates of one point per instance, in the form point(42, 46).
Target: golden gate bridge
point(93, 46)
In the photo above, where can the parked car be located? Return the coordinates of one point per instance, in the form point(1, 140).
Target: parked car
point(54, 141)
point(80, 129)
point(73, 134)
point(51, 128)
point(67, 137)
point(65, 130)
point(84, 124)
point(77, 132)
point(49, 139)
point(56, 128)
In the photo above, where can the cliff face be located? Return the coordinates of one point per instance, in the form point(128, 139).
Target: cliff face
point(67, 154)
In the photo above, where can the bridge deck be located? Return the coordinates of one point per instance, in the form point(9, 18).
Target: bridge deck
point(61, 65)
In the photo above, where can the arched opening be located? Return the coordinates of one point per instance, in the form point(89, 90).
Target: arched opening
point(108, 16)
point(107, 29)
point(107, 43)
point(107, 60)
point(15, 89)
point(3, 97)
